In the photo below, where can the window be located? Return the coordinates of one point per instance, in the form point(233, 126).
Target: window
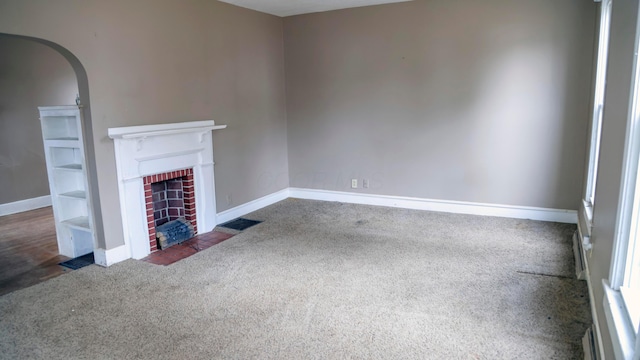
point(598, 107)
point(625, 269)
point(628, 277)
point(622, 293)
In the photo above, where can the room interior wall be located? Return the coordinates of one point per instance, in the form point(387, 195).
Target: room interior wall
point(457, 100)
point(614, 125)
point(31, 75)
point(162, 61)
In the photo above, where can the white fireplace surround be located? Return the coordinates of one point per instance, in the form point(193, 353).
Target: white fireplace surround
point(153, 149)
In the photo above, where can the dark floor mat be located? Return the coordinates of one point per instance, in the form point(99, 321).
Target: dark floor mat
point(79, 262)
point(240, 224)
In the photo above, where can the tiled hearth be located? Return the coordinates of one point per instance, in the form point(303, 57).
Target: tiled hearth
point(185, 249)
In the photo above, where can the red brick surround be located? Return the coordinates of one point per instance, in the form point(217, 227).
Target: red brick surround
point(188, 197)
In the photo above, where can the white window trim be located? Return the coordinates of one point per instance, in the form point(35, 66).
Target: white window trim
point(626, 344)
point(598, 110)
point(587, 216)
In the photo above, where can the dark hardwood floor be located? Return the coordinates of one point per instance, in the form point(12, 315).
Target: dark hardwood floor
point(28, 250)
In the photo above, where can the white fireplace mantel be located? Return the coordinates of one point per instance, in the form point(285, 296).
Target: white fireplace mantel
point(153, 149)
point(143, 131)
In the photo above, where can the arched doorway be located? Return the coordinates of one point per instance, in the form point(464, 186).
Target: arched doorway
point(23, 128)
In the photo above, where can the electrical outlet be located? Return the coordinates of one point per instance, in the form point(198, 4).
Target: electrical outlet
point(229, 199)
point(365, 183)
point(354, 183)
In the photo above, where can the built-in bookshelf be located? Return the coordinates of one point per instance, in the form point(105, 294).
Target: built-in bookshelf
point(66, 167)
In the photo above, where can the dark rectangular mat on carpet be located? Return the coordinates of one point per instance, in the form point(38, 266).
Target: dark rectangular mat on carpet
point(240, 224)
point(79, 262)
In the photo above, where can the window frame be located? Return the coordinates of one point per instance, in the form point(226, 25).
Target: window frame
point(624, 335)
point(598, 110)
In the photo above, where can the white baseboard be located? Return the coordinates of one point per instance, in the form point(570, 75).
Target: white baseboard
point(25, 205)
point(459, 207)
point(121, 253)
point(109, 257)
point(251, 206)
point(587, 275)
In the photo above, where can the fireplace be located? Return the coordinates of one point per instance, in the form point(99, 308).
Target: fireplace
point(153, 153)
point(169, 197)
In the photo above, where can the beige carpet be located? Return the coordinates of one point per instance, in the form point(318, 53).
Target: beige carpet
point(320, 280)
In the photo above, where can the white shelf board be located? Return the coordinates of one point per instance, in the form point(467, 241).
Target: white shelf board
point(59, 110)
point(63, 143)
point(74, 167)
point(75, 138)
point(78, 194)
point(80, 223)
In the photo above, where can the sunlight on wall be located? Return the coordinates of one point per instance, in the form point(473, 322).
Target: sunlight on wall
point(520, 118)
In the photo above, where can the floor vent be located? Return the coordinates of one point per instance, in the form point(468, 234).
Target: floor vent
point(590, 345)
point(581, 272)
point(240, 224)
point(79, 262)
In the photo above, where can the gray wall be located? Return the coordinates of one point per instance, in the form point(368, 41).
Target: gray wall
point(481, 101)
point(31, 75)
point(614, 123)
point(162, 61)
point(459, 100)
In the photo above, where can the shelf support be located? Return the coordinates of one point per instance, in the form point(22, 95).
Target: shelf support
point(140, 142)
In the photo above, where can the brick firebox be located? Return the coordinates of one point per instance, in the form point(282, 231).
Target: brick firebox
point(174, 197)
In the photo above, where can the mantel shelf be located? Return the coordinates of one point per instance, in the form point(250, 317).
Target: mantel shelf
point(145, 131)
